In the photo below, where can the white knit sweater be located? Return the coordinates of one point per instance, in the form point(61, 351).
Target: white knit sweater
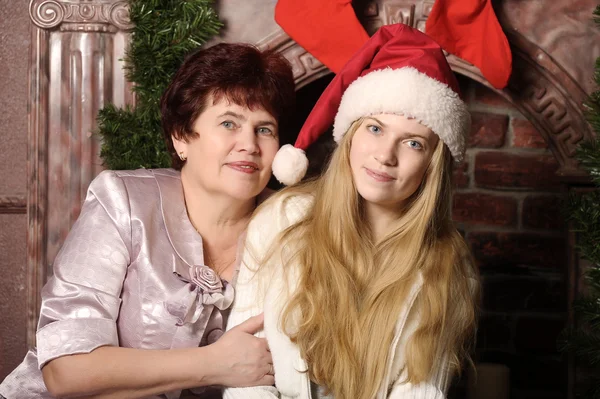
point(268, 291)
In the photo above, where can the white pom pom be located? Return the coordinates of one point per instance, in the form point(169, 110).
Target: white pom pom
point(290, 165)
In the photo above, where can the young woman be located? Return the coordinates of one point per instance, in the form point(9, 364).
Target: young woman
point(368, 290)
point(143, 283)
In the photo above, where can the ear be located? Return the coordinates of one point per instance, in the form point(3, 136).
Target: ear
point(179, 144)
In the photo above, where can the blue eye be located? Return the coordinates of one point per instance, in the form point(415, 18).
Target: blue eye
point(227, 124)
point(264, 131)
point(374, 129)
point(414, 144)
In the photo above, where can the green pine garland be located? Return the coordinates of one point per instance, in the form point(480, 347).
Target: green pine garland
point(164, 32)
point(584, 213)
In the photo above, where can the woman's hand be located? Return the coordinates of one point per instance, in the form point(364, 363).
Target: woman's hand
point(241, 359)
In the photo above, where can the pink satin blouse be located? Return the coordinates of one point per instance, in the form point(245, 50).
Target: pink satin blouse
point(131, 273)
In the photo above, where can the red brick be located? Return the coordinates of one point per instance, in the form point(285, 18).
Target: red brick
point(543, 212)
point(500, 169)
point(488, 130)
point(525, 135)
point(474, 208)
point(503, 250)
point(461, 175)
point(487, 96)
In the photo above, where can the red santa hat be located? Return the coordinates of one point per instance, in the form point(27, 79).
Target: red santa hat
point(399, 70)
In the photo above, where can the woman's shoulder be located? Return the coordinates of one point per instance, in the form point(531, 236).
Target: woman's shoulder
point(285, 208)
point(137, 174)
point(122, 180)
point(275, 215)
point(295, 206)
point(131, 190)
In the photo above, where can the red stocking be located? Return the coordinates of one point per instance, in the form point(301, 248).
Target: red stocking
point(327, 29)
point(470, 30)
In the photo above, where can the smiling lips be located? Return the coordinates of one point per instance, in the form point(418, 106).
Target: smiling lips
point(379, 176)
point(244, 166)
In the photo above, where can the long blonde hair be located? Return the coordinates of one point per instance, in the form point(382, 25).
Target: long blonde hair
point(351, 289)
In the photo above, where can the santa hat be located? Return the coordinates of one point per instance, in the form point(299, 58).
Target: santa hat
point(399, 70)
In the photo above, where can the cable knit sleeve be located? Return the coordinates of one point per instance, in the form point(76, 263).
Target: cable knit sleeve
point(248, 300)
point(257, 283)
point(249, 290)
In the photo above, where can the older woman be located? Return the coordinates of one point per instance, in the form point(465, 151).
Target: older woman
point(138, 300)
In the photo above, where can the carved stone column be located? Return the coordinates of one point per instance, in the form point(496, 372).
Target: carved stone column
point(75, 68)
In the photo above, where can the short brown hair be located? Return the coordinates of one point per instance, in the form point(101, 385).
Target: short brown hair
point(241, 73)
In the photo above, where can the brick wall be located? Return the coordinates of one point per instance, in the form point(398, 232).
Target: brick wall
point(508, 204)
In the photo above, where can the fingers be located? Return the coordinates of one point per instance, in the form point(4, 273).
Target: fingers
point(260, 346)
point(269, 378)
point(252, 325)
point(268, 353)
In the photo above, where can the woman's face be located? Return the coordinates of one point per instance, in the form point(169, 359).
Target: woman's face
point(233, 152)
point(389, 155)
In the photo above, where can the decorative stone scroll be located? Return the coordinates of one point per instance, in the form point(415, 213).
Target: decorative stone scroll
point(375, 14)
point(75, 15)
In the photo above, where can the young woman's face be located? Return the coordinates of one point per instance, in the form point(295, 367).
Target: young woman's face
point(234, 150)
point(389, 155)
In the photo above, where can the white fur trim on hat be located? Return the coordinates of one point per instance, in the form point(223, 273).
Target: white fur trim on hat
point(290, 165)
point(408, 92)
